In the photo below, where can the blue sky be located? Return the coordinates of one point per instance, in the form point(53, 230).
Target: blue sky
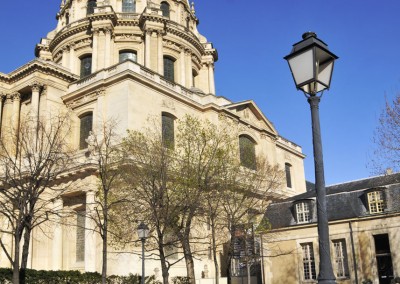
point(252, 37)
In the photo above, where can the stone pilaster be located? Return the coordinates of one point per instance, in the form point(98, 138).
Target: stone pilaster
point(90, 237)
point(160, 54)
point(16, 108)
point(211, 81)
point(147, 52)
point(57, 248)
point(72, 58)
point(182, 67)
point(107, 53)
point(189, 71)
point(95, 50)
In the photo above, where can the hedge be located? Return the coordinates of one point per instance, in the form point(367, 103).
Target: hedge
point(71, 277)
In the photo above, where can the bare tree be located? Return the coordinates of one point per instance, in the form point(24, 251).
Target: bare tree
point(32, 159)
point(105, 153)
point(387, 138)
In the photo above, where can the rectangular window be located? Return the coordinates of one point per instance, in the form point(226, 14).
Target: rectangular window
point(169, 66)
point(308, 262)
point(86, 66)
point(288, 175)
point(85, 129)
point(80, 236)
point(168, 134)
point(340, 258)
point(303, 212)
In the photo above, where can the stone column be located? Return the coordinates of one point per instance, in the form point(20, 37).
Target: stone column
point(95, 49)
point(147, 49)
point(189, 72)
point(6, 117)
point(57, 249)
point(16, 111)
point(64, 60)
point(160, 54)
point(72, 58)
point(211, 78)
point(182, 67)
point(90, 238)
point(35, 109)
point(2, 96)
point(107, 53)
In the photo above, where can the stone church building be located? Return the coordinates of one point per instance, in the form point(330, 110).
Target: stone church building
point(127, 60)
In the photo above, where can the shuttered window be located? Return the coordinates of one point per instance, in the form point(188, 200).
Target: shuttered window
point(80, 236)
point(247, 152)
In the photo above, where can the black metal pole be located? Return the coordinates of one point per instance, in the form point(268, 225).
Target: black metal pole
point(143, 275)
point(325, 275)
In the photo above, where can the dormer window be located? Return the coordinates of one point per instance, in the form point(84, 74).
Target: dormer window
point(303, 212)
point(376, 202)
point(165, 9)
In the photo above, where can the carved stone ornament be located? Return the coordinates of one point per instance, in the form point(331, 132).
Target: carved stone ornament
point(16, 96)
point(168, 104)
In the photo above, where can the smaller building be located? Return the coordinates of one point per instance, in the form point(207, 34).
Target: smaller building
point(364, 227)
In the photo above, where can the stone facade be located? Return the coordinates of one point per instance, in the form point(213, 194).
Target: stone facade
point(129, 91)
point(364, 227)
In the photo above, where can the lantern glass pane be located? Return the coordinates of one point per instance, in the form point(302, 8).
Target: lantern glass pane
point(325, 73)
point(302, 67)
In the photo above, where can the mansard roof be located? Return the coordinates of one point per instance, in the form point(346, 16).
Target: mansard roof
point(344, 201)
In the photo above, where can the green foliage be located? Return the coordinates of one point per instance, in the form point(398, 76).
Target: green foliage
point(71, 277)
point(181, 280)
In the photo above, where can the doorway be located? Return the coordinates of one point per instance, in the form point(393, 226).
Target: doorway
point(383, 258)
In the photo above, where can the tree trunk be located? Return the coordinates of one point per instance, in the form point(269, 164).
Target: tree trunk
point(15, 277)
point(214, 248)
point(25, 248)
point(104, 237)
point(164, 266)
point(188, 260)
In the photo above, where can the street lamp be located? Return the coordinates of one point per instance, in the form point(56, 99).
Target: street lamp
point(311, 64)
point(143, 233)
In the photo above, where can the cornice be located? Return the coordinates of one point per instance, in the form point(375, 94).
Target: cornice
point(68, 31)
point(46, 67)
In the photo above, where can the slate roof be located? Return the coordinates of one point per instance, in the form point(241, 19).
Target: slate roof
point(344, 201)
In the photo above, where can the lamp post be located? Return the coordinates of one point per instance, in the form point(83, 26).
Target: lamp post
point(311, 64)
point(143, 233)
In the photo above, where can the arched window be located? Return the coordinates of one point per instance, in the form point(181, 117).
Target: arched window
point(194, 78)
point(90, 6)
point(169, 68)
point(288, 169)
point(86, 126)
point(168, 134)
point(127, 54)
point(86, 65)
point(247, 152)
point(128, 6)
point(165, 9)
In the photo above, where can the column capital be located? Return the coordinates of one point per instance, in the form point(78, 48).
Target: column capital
point(36, 86)
point(15, 96)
